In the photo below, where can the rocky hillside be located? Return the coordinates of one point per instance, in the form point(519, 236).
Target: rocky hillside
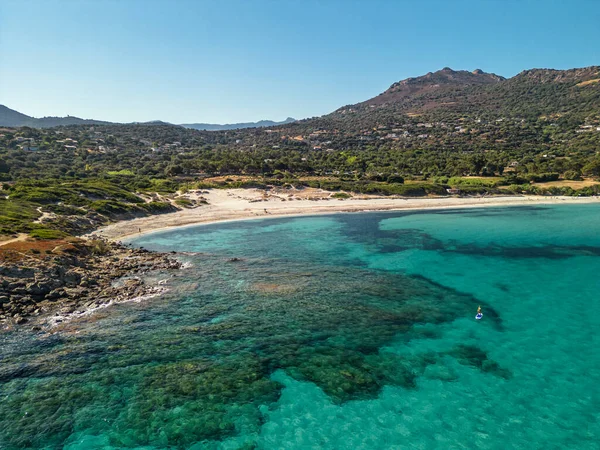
point(541, 124)
point(532, 92)
point(431, 85)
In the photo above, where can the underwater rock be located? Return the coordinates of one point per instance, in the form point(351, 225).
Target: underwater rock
point(470, 355)
point(196, 366)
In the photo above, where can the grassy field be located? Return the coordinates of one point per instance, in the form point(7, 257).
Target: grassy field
point(569, 183)
point(563, 184)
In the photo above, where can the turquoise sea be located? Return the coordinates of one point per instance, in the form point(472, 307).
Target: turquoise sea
point(348, 331)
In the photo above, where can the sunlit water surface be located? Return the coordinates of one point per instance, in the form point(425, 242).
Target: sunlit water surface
point(351, 331)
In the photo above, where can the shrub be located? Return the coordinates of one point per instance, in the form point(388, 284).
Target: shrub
point(574, 175)
point(124, 172)
point(46, 233)
point(472, 182)
point(110, 207)
point(184, 202)
point(157, 207)
point(341, 195)
point(395, 179)
point(514, 180)
point(16, 216)
point(163, 186)
point(249, 184)
point(543, 177)
point(439, 180)
point(37, 195)
point(99, 247)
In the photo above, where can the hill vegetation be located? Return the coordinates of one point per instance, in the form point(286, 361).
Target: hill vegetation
point(475, 132)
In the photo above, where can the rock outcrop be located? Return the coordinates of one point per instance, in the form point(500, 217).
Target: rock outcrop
point(62, 283)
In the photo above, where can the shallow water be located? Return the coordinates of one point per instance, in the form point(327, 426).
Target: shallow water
point(350, 331)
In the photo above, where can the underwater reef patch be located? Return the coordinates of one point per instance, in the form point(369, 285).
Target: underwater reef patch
point(196, 366)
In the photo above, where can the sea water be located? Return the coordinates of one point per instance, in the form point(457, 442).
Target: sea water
point(348, 331)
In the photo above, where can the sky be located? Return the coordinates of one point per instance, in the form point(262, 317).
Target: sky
point(228, 61)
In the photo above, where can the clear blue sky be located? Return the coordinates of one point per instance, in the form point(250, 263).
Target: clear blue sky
point(227, 61)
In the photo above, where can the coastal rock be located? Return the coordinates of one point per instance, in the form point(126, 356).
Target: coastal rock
point(16, 272)
point(19, 320)
point(39, 288)
point(55, 294)
point(76, 281)
point(71, 278)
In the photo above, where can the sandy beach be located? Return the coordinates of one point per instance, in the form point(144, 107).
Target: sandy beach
point(244, 204)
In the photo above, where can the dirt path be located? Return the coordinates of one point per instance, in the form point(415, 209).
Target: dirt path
point(44, 216)
point(19, 238)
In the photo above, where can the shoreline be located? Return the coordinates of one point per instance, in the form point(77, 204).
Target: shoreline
point(71, 281)
point(230, 205)
point(75, 281)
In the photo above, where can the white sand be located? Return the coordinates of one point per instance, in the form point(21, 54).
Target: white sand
point(243, 204)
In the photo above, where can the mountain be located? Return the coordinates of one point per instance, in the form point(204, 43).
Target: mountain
point(442, 81)
point(11, 118)
point(573, 93)
point(532, 93)
point(152, 122)
point(541, 122)
point(236, 126)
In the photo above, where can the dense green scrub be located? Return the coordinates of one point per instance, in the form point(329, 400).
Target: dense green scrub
point(117, 197)
point(95, 200)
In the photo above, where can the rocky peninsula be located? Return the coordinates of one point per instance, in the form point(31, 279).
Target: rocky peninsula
point(44, 282)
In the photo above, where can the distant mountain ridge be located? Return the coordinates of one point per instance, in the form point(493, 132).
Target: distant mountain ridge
point(236, 126)
point(11, 118)
point(531, 93)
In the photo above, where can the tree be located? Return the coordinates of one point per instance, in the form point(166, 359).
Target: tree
point(592, 168)
point(173, 169)
point(394, 178)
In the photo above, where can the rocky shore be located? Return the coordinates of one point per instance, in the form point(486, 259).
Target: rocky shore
point(44, 286)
